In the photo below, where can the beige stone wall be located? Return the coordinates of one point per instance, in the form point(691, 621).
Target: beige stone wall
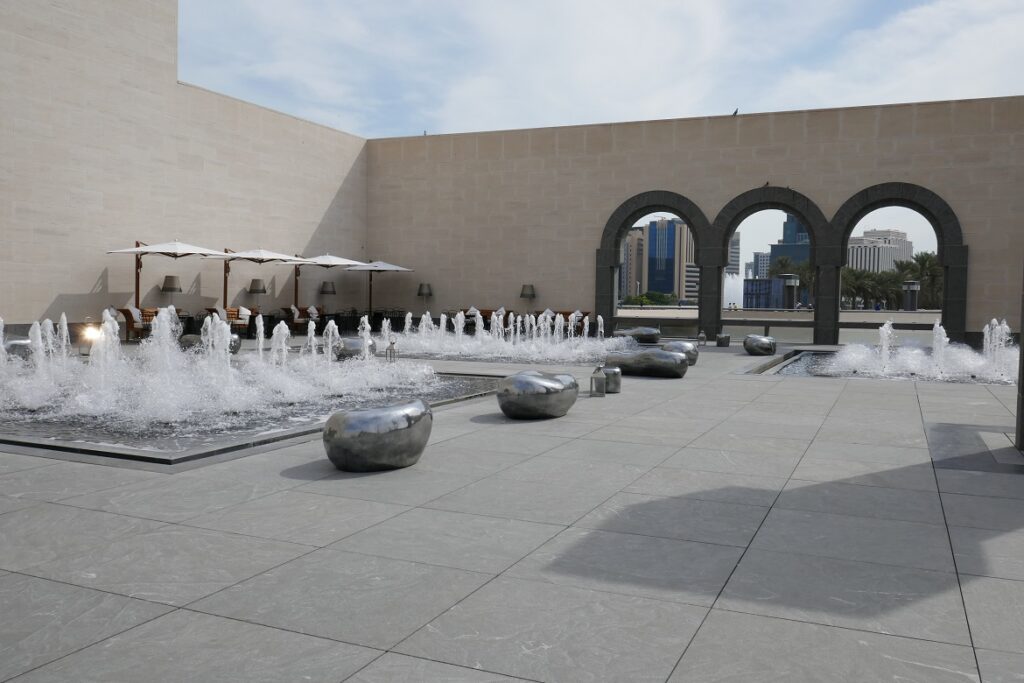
point(100, 145)
point(479, 214)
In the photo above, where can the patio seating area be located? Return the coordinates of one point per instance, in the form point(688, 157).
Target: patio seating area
point(721, 527)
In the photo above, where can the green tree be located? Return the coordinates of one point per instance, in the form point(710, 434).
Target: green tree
point(926, 269)
point(781, 266)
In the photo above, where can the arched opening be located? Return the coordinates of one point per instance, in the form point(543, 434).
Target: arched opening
point(892, 272)
point(770, 215)
point(651, 247)
point(950, 250)
point(769, 276)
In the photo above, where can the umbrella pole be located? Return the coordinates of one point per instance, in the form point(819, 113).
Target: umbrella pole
point(138, 272)
point(369, 297)
point(295, 297)
point(227, 270)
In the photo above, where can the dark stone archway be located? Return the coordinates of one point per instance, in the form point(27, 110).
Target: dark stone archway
point(952, 250)
point(824, 255)
point(621, 220)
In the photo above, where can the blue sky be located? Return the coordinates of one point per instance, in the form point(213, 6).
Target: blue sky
point(400, 67)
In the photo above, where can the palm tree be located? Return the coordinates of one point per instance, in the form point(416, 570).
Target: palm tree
point(807, 274)
point(929, 273)
point(855, 285)
point(781, 266)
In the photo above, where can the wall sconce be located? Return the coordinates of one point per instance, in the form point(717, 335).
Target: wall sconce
point(327, 287)
point(172, 284)
point(425, 291)
point(257, 287)
point(528, 292)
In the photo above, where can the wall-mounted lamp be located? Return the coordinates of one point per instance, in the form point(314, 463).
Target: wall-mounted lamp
point(425, 291)
point(327, 287)
point(172, 284)
point(257, 287)
point(528, 292)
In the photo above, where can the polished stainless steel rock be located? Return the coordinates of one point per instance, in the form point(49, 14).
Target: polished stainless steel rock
point(352, 347)
point(530, 394)
point(689, 348)
point(378, 438)
point(192, 341)
point(20, 347)
point(759, 345)
point(649, 363)
point(643, 335)
point(612, 380)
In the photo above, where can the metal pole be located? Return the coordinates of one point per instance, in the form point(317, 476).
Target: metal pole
point(295, 298)
point(1019, 442)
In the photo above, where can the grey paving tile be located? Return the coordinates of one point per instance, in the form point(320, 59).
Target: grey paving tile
point(862, 501)
point(679, 518)
point(45, 532)
point(611, 451)
point(531, 501)
point(723, 439)
point(742, 647)
point(395, 668)
point(10, 462)
point(989, 552)
point(872, 597)
point(866, 539)
point(172, 499)
point(43, 620)
point(727, 488)
point(465, 463)
point(867, 431)
point(571, 471)
point(628, 434)
point(569, 427)
point(981, 483)
point(66, 479)
point(919, 477)
point(12, 504)
point(172, 564)
point(355, 598)
point(525, 444)
point(984, 513)
point(734, 462)
point(660, 568)
point(276, 470)
point(546, 632)
point(995, 608)
point(451, 539)
point(895, 455)
point(299, 517)
point(187, 646)
point(1000, 667)
point(409, 486)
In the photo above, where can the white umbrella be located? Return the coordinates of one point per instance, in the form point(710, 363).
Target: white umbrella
point(173, 249)
point(256, 256)
point(377, 267)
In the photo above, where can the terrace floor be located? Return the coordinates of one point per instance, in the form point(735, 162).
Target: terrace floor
point(722, 527)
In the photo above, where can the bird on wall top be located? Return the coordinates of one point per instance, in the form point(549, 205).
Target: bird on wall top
point(735, 111)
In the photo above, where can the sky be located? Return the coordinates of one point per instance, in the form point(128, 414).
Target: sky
point(382, 68)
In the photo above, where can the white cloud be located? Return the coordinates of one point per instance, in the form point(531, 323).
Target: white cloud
point(457, 65)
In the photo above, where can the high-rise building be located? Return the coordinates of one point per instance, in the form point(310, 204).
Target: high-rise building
point(660, 257)
point(795, 243)
point(878, 250)
point(733, 266)
point(757, 268)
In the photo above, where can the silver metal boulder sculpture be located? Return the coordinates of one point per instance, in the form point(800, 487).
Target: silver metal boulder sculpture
point(352, 347)
point(649, 363)
point(689, 348)
point(643, 335)
point(759, 345)
point(378, 438)
point(530, 395)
